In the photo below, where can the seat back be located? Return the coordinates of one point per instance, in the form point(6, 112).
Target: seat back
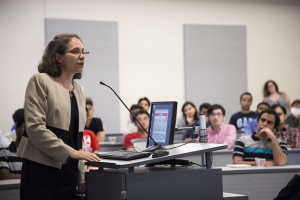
point(139, 143)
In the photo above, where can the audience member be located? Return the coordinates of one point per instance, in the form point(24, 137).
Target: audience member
point(93, 123)
point(131, 128)
point(10, 163)
point(218, 132)
point(273, 96)
point(251, 126)
point(189, 114)
point(203, 108)
point(262, 144)
point(189, 134)
point(90, 142)
point(292, 120)
point(16, 116)
point(10, 136)
point(145, 103)
point(143, 117)
point(240, 119)
point(284, 132)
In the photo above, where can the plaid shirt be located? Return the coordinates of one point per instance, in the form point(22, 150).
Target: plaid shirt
point(290, 135)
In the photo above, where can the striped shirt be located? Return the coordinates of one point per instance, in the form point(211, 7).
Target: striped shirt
point(251, 146)
point(9, 160)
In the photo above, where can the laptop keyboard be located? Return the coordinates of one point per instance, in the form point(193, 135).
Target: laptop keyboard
point(124, 155)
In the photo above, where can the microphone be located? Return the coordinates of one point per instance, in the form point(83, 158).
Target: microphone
point(202, 129)
point(151, 148)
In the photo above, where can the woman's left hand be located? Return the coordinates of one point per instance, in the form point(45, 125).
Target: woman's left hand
point(81, 155)
point(79, 188)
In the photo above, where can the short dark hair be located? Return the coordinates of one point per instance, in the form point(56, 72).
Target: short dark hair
point(139, 113)
point(144, 99)
point(20, 121)
point(214, 107)
point(204, 105)
point(59, 44)
point(193, 105)
point(87, 110)
point(89, 102)
point(263, 103)
point(246, 93)
point(266, 91)
point(135, 106)
point(297, 101)
point(270, 112)
point(17, 114)
point(273, 107)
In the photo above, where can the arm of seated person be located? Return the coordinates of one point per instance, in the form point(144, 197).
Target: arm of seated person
point(100, 136)
point(130, 148)
point(5, 174)
point(240, 160)
point(279, 156)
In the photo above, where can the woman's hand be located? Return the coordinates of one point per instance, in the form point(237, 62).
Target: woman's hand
point(81, 155)
point(79, 188)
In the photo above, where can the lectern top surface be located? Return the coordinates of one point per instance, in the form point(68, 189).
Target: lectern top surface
point(182, 151)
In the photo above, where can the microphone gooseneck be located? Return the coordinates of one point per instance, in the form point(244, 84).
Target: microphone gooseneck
point(156, 145)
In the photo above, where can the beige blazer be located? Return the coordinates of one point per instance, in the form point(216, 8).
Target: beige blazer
point(47, 107)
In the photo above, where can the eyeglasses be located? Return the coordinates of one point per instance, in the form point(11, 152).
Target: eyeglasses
point(263, 120)
point(215, 114)
point(78, 52)
point(143, 119)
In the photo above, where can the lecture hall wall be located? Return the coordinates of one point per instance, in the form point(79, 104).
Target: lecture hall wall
point(151, 41)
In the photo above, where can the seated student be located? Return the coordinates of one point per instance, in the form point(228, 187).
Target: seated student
point(93, 123)
point(203, 109)
point(131, 128)
point(90, 142)
point(251, 126)
point(262, 144)
point(240, 119)
point(10, 163)
point(7, 138)
point(143, 117)
point(188, 135)
point(145, 103)
point(292, 120)
point(188, 118)
point(288, 134)
point(218, 132)
point(189, 114)
point(17, 114)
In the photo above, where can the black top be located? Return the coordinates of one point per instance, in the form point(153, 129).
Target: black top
point(73, 129)
point(239, 120)
point(95, 125)
point(69, 171)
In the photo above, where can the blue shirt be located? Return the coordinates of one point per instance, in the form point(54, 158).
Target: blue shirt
point(240, 119)
point(13, 127)
point(251, 127)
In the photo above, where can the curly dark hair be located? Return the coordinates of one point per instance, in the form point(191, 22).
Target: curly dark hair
point(59, 44)
point(266, 91)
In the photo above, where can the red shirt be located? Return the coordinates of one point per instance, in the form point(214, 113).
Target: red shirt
point(128, 138)
point(90, 142)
